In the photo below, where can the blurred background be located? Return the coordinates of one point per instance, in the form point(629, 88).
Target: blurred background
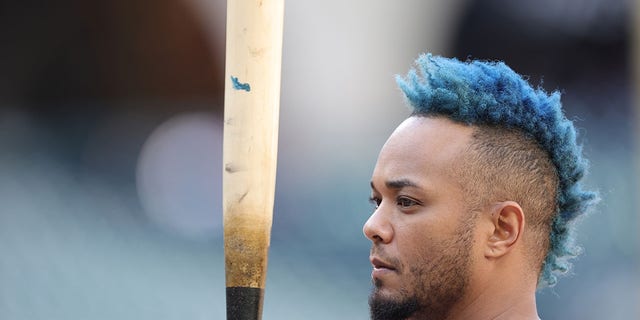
point(111, 140)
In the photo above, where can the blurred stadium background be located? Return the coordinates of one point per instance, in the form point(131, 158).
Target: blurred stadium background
point(110, 148)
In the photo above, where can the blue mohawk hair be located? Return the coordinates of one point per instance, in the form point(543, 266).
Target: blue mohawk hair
point(490, 93)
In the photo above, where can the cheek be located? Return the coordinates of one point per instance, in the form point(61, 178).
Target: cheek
point(421, 243)
point(416, 245)
point(478, 248)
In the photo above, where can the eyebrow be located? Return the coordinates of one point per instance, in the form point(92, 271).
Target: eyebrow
point(398, 184)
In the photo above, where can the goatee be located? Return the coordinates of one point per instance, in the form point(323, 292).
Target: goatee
point(389, 309)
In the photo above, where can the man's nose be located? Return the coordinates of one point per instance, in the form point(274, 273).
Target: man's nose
point(378, 227)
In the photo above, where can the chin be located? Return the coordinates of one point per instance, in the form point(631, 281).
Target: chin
point(387, 283)
point(389, 292)
point(385, 304)
point(383, 293)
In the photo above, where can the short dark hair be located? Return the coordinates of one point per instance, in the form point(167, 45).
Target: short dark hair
point(503, 164)
point(512, 119)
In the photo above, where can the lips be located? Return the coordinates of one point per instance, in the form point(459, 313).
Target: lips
point(381, 268)
point(379, 264)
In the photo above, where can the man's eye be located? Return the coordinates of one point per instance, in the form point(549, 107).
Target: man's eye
point(406, 202)
point(375, 202)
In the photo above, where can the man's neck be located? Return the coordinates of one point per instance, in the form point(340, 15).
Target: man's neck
point(498, 304)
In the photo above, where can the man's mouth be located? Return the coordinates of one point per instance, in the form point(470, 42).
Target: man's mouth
point(380, 264)
point(380, 267)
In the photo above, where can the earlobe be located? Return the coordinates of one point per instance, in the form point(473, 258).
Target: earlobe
point(508, 223)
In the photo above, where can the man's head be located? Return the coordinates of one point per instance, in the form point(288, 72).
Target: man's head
point(482, 179)
point(422, 231)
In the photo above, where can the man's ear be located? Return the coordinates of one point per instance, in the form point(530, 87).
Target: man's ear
point(508, 222)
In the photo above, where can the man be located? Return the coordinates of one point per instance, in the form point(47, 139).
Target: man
point(475, 195)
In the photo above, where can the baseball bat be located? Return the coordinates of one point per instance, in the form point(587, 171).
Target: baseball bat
point(251, 113)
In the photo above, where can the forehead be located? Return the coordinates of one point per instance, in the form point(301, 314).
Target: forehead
point(422, 148)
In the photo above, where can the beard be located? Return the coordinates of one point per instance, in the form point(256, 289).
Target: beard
point(390, 309)
point(432, 287)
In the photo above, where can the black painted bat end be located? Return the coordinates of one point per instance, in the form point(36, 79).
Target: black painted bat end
point(244, 303)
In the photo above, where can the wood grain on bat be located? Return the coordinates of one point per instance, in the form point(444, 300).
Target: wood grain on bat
point(252, 97)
